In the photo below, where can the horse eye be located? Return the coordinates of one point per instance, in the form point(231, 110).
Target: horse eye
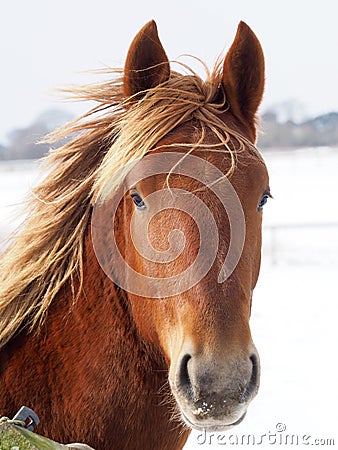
point(263, 200)
point(137, 199)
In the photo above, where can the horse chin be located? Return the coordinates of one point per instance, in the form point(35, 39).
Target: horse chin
point(212, 425)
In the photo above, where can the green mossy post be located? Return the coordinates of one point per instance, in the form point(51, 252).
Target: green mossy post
point(13, 437)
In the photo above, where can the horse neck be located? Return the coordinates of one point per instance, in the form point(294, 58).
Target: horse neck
point(88, 365)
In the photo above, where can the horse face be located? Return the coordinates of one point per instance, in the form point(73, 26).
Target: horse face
point(201, 327)
point(198, 313)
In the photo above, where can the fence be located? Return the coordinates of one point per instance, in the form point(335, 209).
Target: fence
point(301, 243)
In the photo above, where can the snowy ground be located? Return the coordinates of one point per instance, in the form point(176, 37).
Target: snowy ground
point(295, 309)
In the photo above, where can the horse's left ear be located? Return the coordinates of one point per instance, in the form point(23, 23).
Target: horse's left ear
point(243, 74)
point(147, 64)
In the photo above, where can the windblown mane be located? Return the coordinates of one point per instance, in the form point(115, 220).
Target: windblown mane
point(47, 252)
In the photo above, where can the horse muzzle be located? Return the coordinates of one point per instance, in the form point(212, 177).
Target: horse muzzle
point(213, 395)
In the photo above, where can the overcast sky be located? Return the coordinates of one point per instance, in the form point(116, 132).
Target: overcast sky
point(44, 44)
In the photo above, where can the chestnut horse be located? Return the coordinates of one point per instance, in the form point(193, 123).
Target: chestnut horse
point(136, 362)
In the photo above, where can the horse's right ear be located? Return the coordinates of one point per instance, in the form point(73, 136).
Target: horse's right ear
point(147, 64)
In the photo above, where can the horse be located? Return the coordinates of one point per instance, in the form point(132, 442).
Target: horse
point(162, 172)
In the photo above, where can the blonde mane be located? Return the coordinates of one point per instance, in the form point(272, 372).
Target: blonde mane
point(46, 254)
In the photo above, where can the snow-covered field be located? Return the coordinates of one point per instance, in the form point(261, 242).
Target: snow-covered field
point(295, 309)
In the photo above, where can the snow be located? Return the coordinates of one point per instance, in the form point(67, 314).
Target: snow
point(16, 180)
point(295, 305)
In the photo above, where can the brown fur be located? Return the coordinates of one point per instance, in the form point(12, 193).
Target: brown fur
point(91, 359)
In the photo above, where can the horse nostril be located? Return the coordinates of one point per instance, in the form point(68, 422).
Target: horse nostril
point(253, 383)
point(255, 367)
point(183, 377)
